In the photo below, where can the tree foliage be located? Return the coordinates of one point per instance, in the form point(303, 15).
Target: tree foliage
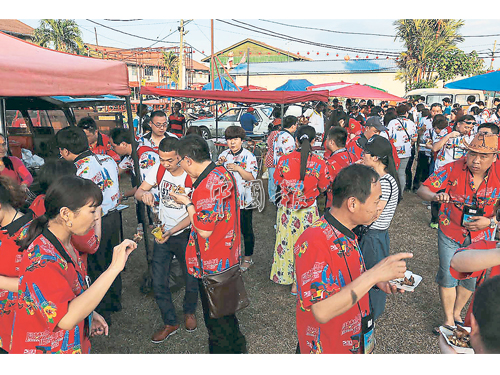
point(61, 35)
point(431, 52)
point(171, 61)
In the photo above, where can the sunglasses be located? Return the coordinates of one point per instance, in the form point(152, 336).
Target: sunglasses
point(470, 122)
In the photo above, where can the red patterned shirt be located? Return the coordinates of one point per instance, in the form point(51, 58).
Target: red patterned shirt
point(338, 160)
point(103, 147)
point(218, 212)
point(456, 178)
point(295, 193)
point(354, 127)
point(10, 258)
point(327, 258)
point(46, 287)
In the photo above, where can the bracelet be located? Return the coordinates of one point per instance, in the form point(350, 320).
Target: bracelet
point(189, 204)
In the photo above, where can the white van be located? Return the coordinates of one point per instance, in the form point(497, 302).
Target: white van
point(437, 95)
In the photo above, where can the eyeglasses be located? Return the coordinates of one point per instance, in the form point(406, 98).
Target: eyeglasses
point(159, 126)
point(470, 122)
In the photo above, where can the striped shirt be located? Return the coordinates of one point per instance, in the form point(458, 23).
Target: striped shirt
point(390, 194)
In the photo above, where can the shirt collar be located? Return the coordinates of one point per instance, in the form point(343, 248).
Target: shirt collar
point(236, 153)
point(204, 174)
point(13, 227)
point(339, 226)
point(84, 154)
point(339, 151)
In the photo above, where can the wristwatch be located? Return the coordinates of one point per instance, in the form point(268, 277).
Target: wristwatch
point(189, 204)
point(493, 223)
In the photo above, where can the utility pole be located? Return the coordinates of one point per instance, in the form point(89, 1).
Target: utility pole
point(493, 55)
point(181, 57)
point(212, 53)
point(248, 68)
point(96, 43)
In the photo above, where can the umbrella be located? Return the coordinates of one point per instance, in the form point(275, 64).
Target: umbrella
point(294, 85)
point(357, 91)
point(226, 85)
point(486, 82)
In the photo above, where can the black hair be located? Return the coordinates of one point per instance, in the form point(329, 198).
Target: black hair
point(401, 109)
point(439, 122)
point(11, 193)
point(422, 98)
point(436, 105)
point(158, 113)
point(194, 147)
point(425, 112)
point(496, 100)
point(87, 123)
point(140, 107)
point(52, 170)
point(6, 160)
point(489, 125)
point(466, 118)
point(235, 131)
point(289, 121)
point(305, 135)
point(73, 139)
point(486, 309)
point(480, 103)
point(194, 130)
point(72, 192)
point(388, 117)
point(168, 144)
point(375, 111)
point(338, 135)
point(119, 135)
point(355, 181)
point(420, 107)
point(471, 98)
point(475, 110)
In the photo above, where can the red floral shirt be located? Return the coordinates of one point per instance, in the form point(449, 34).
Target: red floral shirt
point(295, 193)
point(327, 255)
point(354, 127)
point(103, 147)
point(456, 178)
point(338, 160)
point(354, 147)
point(216, 211)
point(46, 287)
point(10, 258)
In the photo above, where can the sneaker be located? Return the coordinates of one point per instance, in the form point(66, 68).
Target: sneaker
point(164, 333)
point(190, 322)
point(434, 225)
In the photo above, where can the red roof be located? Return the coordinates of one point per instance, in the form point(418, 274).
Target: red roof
point(15, 26)
point(30, 70)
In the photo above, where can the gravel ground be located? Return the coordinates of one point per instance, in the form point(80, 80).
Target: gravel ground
point(269, 322)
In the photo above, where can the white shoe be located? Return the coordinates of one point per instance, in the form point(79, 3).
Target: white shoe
point(265, 175)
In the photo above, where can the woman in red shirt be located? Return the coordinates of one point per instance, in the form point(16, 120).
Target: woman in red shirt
point(302, 176)
point(13, 167)
point(55, 311)
point(13, 225)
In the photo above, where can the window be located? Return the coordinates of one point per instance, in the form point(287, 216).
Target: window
point(462, 98)
point(231, 115)
point(133, 70)
point(148, 71)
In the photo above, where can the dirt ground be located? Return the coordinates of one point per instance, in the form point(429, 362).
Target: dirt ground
point(269, 322)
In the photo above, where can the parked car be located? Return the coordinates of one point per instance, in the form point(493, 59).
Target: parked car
point(437, 95)
point(232, 117)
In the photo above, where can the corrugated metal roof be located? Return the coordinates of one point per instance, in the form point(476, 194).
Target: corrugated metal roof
point(319, 67)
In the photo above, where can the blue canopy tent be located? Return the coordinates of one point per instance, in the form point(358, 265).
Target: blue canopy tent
point(294, 85)
point(226, 85)
point(486, 82)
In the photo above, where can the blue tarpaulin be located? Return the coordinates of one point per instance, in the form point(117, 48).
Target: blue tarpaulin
point(294, 85)
point(227, 86)
point(486, 82)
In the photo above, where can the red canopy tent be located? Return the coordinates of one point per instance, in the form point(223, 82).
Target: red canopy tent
point(355, 91)
point(30, 70)
point(280, 97)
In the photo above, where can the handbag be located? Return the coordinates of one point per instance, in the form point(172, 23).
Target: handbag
point(225, 290)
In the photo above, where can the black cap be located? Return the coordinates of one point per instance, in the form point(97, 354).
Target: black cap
point(378, 146)
point(376, 122)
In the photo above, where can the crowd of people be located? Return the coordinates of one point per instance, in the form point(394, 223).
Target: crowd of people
point(61, 256)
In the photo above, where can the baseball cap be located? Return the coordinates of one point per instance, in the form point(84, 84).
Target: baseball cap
point(376, 122)
point(250, 109)
point(378, 146)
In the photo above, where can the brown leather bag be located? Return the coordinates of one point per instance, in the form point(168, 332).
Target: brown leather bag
point(225, 290)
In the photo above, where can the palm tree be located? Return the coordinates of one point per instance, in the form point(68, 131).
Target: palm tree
point(424, 39)
point(61, 35)
point(171, 61)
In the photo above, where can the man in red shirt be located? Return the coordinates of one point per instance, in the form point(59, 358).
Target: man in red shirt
point(372, 126)
point(213, 212)
point(333, 313)
point(467, 214)
point(98, 142)
point(177, 121)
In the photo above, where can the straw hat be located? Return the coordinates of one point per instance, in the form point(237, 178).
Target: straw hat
point(484, 143)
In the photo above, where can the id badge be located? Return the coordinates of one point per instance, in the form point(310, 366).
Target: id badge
point(458, 152)
point(367, 333)
point(469, 211)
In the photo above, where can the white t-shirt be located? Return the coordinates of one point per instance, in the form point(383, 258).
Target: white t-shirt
point(248, 162)
point(317, 121)
point(427, 122)
point(170, 213)
point(453, 150)
point(283, 145)
point(401, 140)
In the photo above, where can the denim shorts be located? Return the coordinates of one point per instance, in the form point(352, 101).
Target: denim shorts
point(446, 249)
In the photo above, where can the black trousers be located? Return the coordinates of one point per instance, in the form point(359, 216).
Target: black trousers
point(100, 261)
point(408, 169)
point(422, 172)
point(224, 335)
point(247, 231)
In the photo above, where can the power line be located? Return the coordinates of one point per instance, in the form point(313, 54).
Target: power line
point(136, 19)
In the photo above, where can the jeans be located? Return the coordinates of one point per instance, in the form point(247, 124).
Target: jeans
point(446, 250)
point(247, 231)
point(374, 246)
point(224, 335)
point(162, 260)
point(402, 173)
point(271, 186)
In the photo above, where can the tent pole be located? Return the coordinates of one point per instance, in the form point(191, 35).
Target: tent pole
point(216, 121)
point(3, 121)
point(282, 113)
point(141, 219)
point(217, 57)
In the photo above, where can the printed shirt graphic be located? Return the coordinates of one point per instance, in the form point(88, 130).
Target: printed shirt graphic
point(103, 171)
point(248, 162)
point(427, 123)
point(170, 213)
point(321, 254)
point(146, 140)
point(354, 127)
point(47, 285)
point(353, 146)
point(295, 193)
point(400, 138)
point(338, 160)
point(453, 150)
point(215, 211)
point(148, 160)
point(102, 147)
point(10, 259)
point(456, 178)
point(317, 121)
point(284, 143)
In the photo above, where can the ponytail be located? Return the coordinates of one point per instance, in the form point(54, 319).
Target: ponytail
point(35, 229)
point(390, 167)
point(8, 163)
point(305, 135)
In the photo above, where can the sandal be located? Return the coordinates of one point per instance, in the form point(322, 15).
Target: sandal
point(242, 268)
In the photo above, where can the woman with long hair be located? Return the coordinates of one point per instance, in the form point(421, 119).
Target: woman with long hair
point(13, 167)
point(13, 225)
point(54, 293)
point(302, 176)
point(374, 242)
